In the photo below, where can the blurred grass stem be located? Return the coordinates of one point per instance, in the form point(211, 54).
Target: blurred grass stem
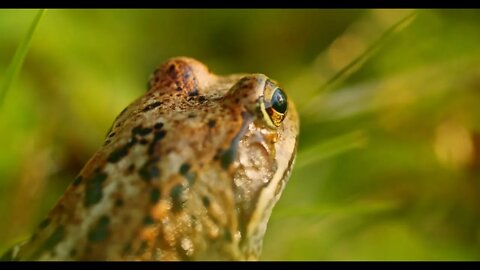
point(19, 57)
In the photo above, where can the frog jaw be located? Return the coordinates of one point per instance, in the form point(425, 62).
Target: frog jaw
point(266, 158)
point(285, 153)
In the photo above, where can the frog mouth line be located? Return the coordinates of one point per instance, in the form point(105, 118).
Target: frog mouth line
point(229, 155)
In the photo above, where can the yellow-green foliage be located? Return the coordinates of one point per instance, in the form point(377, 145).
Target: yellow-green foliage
point(389, 157)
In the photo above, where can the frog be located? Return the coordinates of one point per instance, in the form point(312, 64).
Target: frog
point(190, 170)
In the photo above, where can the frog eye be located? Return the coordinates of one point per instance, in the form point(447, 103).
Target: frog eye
point(276, 106)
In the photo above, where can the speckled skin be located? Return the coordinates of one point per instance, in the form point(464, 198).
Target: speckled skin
point(189, 171)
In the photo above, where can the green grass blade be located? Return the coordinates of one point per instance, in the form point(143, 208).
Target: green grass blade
point(332, 147)
point(350, 209)
point(19, 57)
point(346, 71)
point(369, 51)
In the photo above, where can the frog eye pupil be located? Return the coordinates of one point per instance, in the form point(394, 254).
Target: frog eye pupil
point(276, 107)
point(279, 101)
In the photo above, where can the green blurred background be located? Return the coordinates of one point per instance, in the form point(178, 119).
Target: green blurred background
point(389, 158)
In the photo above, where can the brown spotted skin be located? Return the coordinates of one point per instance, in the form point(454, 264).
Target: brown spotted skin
point(189, 171)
